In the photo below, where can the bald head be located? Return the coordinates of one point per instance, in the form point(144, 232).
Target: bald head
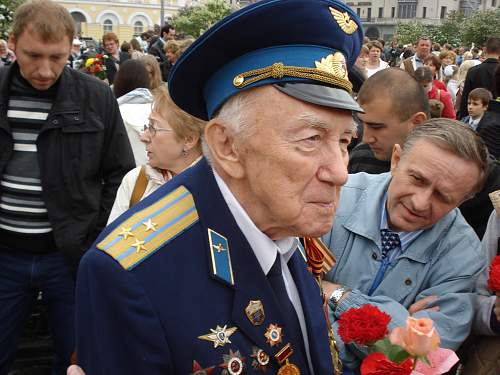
point(406, 96)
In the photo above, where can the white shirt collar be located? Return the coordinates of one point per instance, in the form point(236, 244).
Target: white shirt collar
point(263, 247)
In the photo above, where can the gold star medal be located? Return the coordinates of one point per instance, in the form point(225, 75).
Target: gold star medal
point(219, 336)
point(274, 334)
point(139, 246)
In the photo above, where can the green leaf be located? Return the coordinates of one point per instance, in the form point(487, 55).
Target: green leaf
point(394, 353)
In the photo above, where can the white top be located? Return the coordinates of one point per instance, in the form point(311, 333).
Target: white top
point(485, 300)
point(382, 65)
point(265, 251)
point(124, 193)
point(135, 116)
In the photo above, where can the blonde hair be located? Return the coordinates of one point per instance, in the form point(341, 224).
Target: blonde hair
point(150, 61)
point(47, 19)
point(182, 123)
point(464, 68)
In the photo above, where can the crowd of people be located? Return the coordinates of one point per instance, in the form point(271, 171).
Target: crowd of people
point(164, 203)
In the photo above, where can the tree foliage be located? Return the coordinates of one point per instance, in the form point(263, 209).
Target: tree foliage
point(456, 29)
point(7, 8)
point(194, 20)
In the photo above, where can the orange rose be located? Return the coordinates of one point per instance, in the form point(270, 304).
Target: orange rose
point(418, 338)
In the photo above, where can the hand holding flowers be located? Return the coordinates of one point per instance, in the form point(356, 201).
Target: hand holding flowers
point(413, 349)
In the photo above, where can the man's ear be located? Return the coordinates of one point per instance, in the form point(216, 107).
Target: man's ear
point(417, 119)
point(396, 157)
point(224, 151)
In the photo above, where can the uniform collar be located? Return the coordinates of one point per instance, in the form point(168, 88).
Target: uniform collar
point(264, 248)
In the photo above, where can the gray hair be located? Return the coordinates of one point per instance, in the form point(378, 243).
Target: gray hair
point(234, 116)
point(456, 137)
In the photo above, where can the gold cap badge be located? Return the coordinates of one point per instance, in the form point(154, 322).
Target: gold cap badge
point(344, 21)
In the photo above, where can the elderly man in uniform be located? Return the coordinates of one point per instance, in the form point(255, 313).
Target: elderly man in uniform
point(206, 274)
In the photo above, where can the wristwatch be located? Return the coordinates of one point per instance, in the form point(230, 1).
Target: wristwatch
point(336, 296)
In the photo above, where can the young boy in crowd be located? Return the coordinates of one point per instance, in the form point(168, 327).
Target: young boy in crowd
point(477, 104)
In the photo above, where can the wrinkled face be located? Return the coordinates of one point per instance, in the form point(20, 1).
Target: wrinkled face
point(40, 62)
point(164, 148)
point(374, 54)
point(427, 183)
point(423, 48)
point(295, 162)
point(476, 108)
point(111, 47)
point(382, 128)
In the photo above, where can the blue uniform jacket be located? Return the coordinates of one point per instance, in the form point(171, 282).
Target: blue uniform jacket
point(444, 260)
point(142, 307)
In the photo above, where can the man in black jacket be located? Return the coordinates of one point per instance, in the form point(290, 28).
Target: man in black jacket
point(64, 151)
point(482, 74)
point(157, 49)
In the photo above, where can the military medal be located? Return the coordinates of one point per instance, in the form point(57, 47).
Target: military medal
point(255, 312)
point(139, 246)
point(233, 363)
point(282, 357)
point(219, 336)
point(260, 359)
point(274, 334)
point(198, 370)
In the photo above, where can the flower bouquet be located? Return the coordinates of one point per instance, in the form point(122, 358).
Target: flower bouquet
point(494, 276)
point(95, 66)
point(410, 350)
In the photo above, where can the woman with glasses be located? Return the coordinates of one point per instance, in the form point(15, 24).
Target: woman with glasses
point(173, 144)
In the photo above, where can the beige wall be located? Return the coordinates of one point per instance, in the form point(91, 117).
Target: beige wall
point(123, 14)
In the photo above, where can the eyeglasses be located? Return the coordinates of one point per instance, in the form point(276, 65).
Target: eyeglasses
point(153, 129)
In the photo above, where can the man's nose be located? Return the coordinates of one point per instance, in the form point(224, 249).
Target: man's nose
point(333, 168)
point(44, 70)
point(421, 200)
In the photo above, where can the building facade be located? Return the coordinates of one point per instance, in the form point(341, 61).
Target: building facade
point(380, 17)
point(126, 18)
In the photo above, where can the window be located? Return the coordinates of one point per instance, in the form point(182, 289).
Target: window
point(493, 3)
point(107, 26)
point(369, 14)
point(407, 10)
point(380, 12)
point(443, 12)
point(358, 12)
point(393, 12)
point(138, 27)
point(424, 12)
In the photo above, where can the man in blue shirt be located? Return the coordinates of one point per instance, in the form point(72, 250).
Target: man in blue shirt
point(401, 243)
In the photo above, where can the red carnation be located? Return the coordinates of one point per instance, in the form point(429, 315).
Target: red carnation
point(364, 325)
point(378, 364)
point(494, 279)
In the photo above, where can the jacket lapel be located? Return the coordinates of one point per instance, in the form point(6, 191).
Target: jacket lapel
point(312, 305)
point(250, 282)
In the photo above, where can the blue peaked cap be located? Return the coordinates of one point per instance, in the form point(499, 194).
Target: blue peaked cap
point(268, 42)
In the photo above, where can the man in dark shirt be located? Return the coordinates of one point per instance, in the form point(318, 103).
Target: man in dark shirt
point(482, 75)
point(64, 154)
point(394, 104)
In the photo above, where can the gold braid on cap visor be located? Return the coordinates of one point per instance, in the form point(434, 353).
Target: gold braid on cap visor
point(330, 70)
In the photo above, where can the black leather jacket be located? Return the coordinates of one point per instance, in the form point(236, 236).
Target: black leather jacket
point(83, 153)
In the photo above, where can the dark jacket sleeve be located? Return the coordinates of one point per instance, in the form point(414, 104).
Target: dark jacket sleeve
point(117, 329)
point(465, 94)
point(117, 158)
